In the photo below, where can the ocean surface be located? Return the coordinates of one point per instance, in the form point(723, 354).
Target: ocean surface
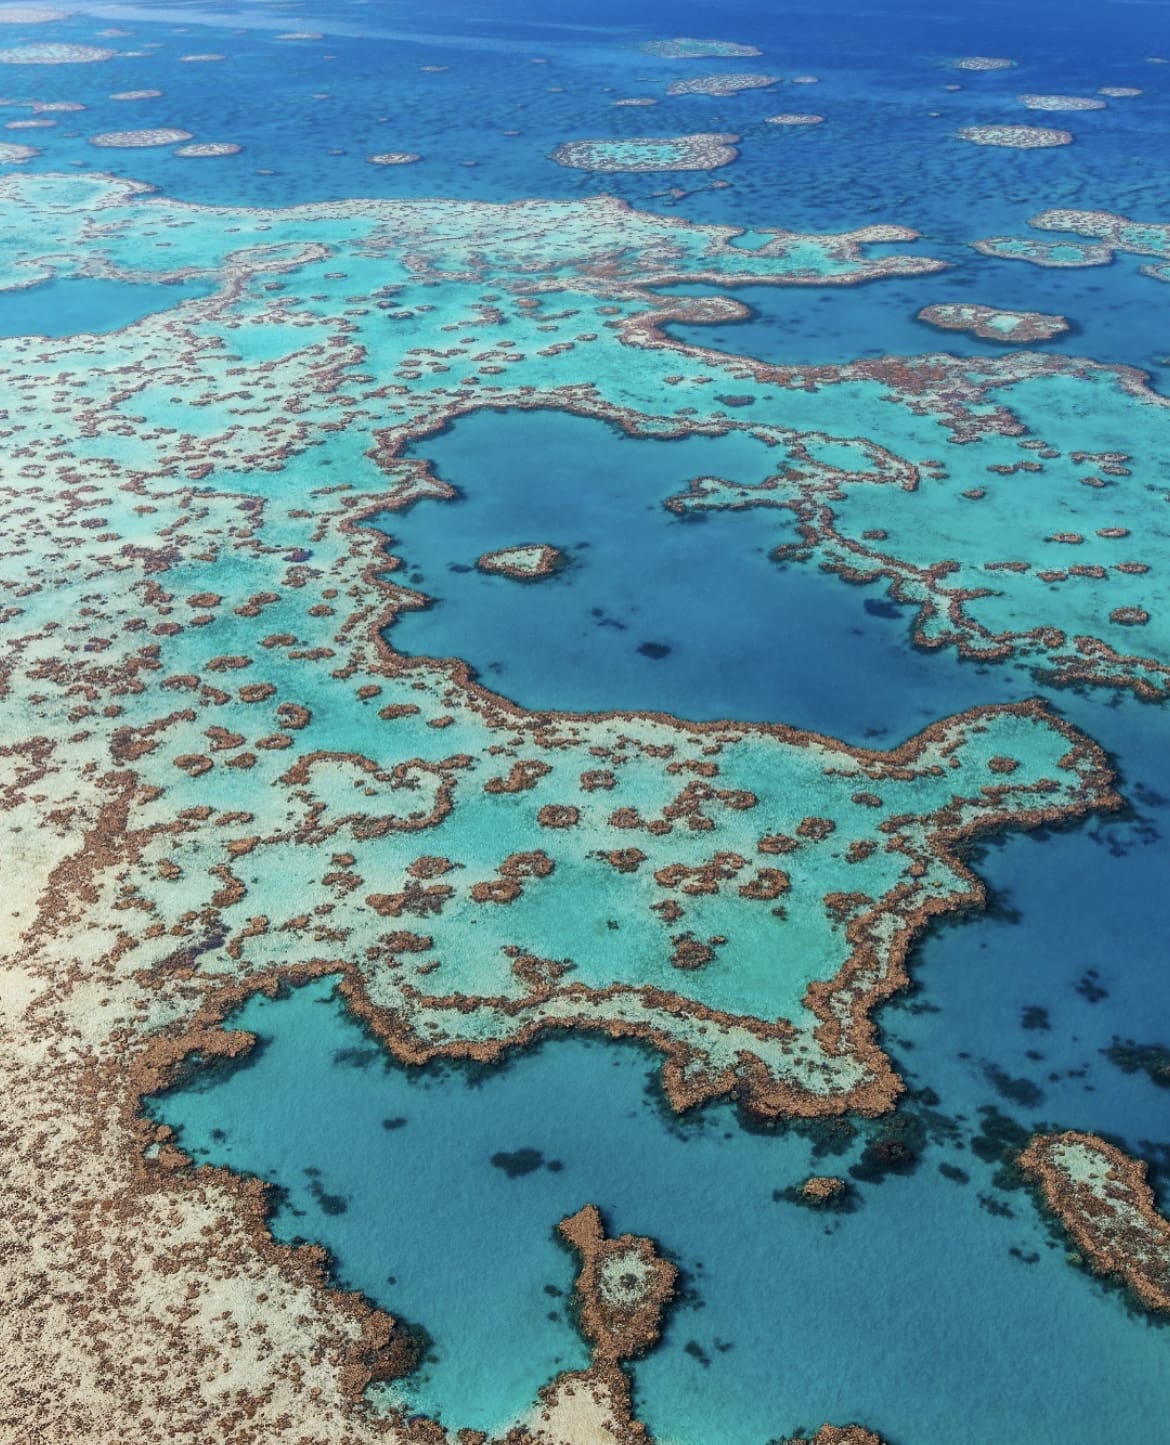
point(941, 1307)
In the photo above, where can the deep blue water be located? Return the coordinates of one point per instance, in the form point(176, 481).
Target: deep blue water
point(1115, 315)
point(745, 635)
point(311, 111)
point(911, 1313)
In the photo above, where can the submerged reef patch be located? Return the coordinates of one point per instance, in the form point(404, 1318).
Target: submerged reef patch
point(1057, 254)
point(982, 62)
point(209, 148)
point(1119, 233)
point(791, 118)
point(1106, 234)
point(1015, 137)
point(722, 84)
point(699, 152)
point(684, 48)
point(139, 139)
point(30, 15)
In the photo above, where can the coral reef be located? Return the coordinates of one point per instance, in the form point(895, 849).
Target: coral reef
point(1104, 1201)
point(1019, 328)
point(221, 777)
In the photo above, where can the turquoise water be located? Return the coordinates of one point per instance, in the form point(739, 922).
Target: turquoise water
point(406, 1227)
point(787, 1316)
point(941, 1308)
point(72, 305)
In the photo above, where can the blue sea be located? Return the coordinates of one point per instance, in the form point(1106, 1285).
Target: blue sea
point(941, 1307)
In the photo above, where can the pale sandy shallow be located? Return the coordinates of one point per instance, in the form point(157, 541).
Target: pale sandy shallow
point(577, 1413)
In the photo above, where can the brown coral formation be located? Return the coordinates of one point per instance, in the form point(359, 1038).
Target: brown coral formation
point(1019, 328)
point(1015, 137)
point(180, 1259)
point(558, 815)
point(524, 562)
point(522, 775)
point(622, 1287)
point(702, 151)
point(842, 1435)
point(822, 1189)
point(684, 48)
point(1104, 1200)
